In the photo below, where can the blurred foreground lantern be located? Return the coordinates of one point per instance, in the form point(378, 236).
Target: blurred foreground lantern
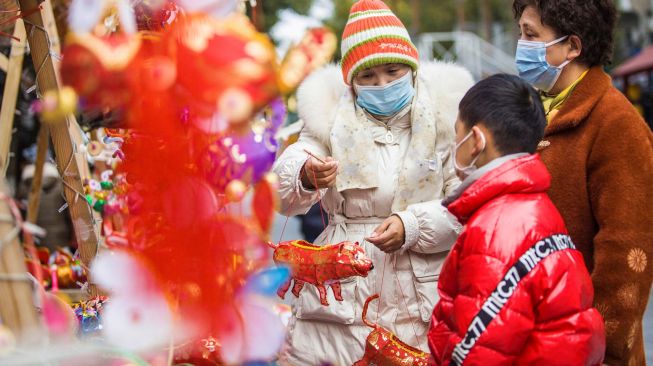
point(101, 69)
point(314, 50)
point(223, 66)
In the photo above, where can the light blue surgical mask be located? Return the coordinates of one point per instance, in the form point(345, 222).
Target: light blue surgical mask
point(386, 100)
point(534, 68)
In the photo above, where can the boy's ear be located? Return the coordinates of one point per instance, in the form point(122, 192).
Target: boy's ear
point(480, 138)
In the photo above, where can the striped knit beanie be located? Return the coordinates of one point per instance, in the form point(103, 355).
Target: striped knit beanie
point(374, 36)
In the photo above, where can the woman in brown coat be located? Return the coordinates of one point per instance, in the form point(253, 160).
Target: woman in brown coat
point(600, 155)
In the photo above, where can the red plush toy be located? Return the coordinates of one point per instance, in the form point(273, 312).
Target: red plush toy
point(384, 349)
point(321, 266)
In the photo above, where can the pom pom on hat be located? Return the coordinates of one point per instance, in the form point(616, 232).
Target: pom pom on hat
point(375, 36)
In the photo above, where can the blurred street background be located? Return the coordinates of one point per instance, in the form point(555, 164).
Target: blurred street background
point(478, 34)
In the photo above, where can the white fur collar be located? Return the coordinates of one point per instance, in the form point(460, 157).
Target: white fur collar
point(320, 93)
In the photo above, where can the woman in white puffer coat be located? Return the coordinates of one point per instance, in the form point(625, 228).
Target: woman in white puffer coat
point(386, 145)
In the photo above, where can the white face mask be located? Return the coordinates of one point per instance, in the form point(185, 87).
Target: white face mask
point(464, 172)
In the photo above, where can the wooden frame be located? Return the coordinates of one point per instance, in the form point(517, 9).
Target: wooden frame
point(16, 290)
point(39, 31)
point(4, 62)
point(14, 70)
point(65, 133)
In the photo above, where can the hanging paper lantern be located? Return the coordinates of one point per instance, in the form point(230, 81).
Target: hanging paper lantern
point(222, 66)
point(246, 157)
point(314, 50)
point(56, 105)
point(264, 203)
point(191, 96)
point(158, 73)
point(190, 201)
point(236, 191)
point(101, 69)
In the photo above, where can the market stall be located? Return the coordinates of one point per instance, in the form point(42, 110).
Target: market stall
point(635, 78)
point(161, 121)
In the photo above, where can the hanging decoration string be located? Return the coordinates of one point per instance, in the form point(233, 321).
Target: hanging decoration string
point(51, 53)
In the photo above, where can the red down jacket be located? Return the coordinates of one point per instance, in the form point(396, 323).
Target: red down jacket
point(548, 319)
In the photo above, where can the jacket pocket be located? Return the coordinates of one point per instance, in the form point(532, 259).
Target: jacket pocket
point(308, 306)
point(426, 270)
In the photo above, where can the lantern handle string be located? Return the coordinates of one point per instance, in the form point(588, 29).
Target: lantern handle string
point(378, 304)
point(403, 297)
point(319, 195)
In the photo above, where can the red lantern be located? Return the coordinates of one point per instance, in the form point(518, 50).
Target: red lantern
point(223, 66)
point(383, 348)
point(321, 266)
point(314, 50)
point(101, 69)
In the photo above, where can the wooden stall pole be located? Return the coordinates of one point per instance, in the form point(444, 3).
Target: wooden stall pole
point(17, 308)
point(43, 139)
point(34, 198)
point(10, 95)
point(4, 62)
point(72, 165)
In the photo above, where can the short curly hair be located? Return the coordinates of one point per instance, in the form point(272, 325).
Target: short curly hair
point(593, 21)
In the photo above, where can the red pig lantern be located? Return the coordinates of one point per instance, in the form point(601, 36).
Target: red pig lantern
point(383, 348)
point(321, 266)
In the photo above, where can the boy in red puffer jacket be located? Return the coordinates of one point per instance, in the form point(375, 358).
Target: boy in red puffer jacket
point(514, 290)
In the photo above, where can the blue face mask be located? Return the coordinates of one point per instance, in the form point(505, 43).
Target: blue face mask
point(386, 100)
point(533, 67)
